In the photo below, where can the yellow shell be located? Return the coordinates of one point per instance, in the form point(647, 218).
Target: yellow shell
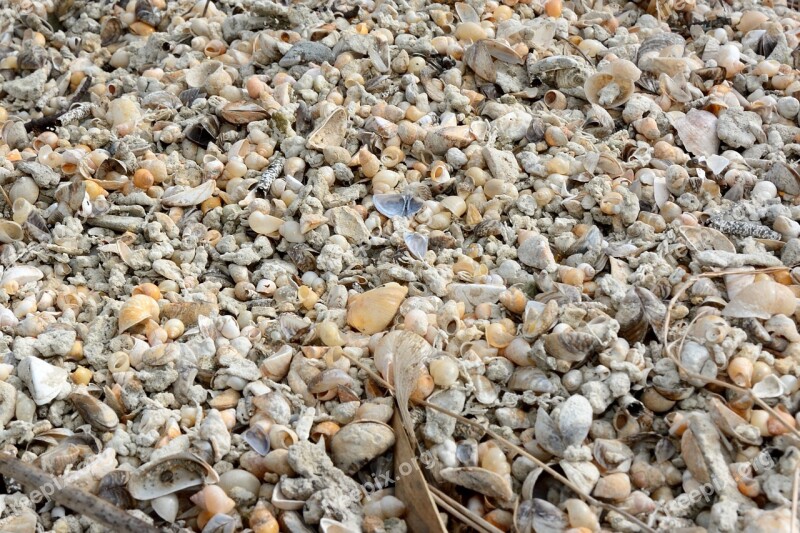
point(374, 310)
point(139, 308)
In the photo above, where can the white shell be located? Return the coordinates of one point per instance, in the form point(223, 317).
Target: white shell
point(45, 381)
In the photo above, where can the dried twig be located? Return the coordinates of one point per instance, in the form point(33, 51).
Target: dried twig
point(522, 451)
point(462, 513)
point(74, 498)
point(795, 484)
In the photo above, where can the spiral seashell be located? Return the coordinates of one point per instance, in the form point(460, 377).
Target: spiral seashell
point(136, 310)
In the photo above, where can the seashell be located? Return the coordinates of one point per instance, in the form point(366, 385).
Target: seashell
point(222, 523)
point(697, 359)
point(10, 231)
point(166, 507)
point(396, 205)
point(180, 196)
point(198, 75)
point(136, 310)
point(263, 521)
point(697, 130)
point(360, 442)
point(479, 480)
point(574, 420)
point(203, 132)
point(243, 112)
point(546, 517)
point(99, 415)
point(21, 275)
point(762, 300)
point(705, 238)
point(8, 401)
point(331, 132)
point(733, 425)
point(213, 499)
point(22, 521)
point(539, 318)
point(112, 489)
point(417, 245)
point(283, 503)
point(486, 392)
point(769, 387)
point(572, 346)
point(110, 32)
point(168, 475)
point(373, 311)
point(45, 382)
point(394, 342)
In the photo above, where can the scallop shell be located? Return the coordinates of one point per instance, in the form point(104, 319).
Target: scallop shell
point(331, 132)
point(360, 442)
point(137, 309)
point(762, 300)
point(374, 310)
point(479, 480)
point(170, 474)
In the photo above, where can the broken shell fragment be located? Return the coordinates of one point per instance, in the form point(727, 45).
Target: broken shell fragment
point(357, 443)
point(373, 311)
point(168, 475)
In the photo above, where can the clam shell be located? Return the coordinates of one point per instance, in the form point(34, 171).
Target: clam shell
point(170, 474)
point(697, 130)
point(331, 132)
point(479, 480)
point(22, 275)
point(10, 231)
point(180, 196)
point(704, 238)
point(358, 443)
point(99, 415)
point(733, 425)
point(608, 90)
point(762, 300)
point(243, 112)
point(574, 420)
point(374, 310)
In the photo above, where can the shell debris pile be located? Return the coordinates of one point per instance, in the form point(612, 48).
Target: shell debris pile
point(236, 234)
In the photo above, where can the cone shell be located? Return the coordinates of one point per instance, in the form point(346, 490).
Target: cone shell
point(374, 310)
point(136, 310)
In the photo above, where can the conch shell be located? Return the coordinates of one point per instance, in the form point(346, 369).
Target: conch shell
point(374, 310)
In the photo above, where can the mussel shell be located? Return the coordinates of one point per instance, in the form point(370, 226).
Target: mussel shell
point(203, 132)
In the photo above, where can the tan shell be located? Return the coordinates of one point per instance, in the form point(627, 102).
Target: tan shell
point(358, 443)
point(480, 480)
point(243, 112)
point(762, 300)
point(733, 425)
point(99, 415)
point(538, 320)
point(331, 132)
point(608, 90)
point(170, 474)
point(10, 231)
point(374, 310)
point(137, 309)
